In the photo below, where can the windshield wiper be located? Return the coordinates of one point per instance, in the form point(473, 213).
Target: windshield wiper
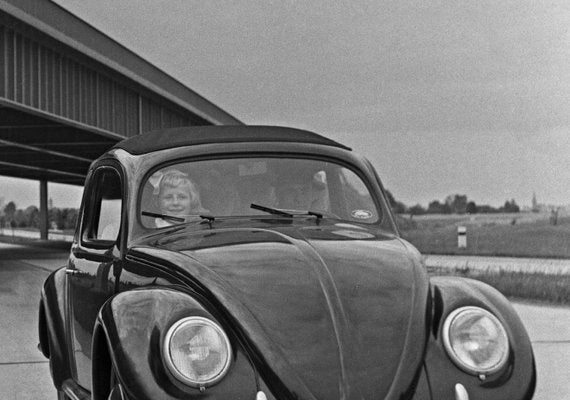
point(314, 214)
point(173, 218)
point(271, 210)
point(284, 213)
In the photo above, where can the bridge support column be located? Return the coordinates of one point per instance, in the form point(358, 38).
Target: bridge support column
point(44, 224)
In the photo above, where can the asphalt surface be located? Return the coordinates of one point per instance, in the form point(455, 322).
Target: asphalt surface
point(24, 372)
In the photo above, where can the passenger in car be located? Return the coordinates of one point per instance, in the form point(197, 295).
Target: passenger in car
point(302, 191)
point(178, 197)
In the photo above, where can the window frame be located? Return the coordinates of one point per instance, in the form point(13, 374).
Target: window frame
point(369, 181)
point(91, 209)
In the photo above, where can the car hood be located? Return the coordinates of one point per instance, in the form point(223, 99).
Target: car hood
point(333, 311)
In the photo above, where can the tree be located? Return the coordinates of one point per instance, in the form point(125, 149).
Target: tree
point(397, 207)
point(457, 203)
point(417, 210)
point(32, 216)
point(10, 211)
point(486, 209)
point(64, 218)
point(435, 207)
point(471, 208)
point(510, 207)
point(70, 217)
point(514, 206)
point(20, 219)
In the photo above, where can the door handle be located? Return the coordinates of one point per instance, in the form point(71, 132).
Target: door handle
point(71, 271)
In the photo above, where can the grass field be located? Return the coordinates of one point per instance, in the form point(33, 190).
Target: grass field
point(554, 289)
point(513, 235)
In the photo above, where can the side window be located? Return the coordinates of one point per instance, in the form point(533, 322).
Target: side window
point(360, 205)
point(104, 213)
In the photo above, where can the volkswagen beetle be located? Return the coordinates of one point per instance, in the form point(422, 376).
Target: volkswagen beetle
point(263, 263)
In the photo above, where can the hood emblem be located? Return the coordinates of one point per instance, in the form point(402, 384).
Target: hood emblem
point(361, 214)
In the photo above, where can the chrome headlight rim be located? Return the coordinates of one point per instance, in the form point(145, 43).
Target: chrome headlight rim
point(167, 357)
point(447, 326)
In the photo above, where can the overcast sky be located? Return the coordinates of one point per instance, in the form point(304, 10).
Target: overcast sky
point(444, 97)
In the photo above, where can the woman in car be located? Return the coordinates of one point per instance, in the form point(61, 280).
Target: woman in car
point(177, 197)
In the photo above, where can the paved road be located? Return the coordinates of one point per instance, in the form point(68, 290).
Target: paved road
point(24, 373)
point(549, 330)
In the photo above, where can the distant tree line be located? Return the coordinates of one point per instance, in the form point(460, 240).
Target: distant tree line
point(62, 219)
point(453, 204)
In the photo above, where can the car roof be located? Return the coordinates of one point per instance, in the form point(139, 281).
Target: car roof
point(195, 135)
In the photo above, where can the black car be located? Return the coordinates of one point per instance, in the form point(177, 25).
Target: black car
point(263, 263)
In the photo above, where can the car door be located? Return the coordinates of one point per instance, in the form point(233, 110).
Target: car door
point(94, 261)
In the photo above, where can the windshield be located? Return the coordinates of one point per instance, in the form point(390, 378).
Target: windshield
point(229, 187)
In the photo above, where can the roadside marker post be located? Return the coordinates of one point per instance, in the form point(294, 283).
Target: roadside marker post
point(461, 237)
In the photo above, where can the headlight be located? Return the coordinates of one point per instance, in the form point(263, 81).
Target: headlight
point(476, 340)
point(197, 351)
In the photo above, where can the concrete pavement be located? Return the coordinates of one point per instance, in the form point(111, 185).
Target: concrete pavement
point(549, 331)
point(24, 372)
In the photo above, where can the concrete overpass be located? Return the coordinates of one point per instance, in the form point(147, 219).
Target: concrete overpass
point(68, 92)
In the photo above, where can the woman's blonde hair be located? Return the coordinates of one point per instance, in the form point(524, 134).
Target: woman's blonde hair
point(174, 178)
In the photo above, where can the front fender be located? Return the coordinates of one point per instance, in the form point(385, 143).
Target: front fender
point(51, 326)
point(514, 382)
point(133, 325)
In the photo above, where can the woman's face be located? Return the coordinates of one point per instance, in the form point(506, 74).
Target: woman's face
point(175, 200)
